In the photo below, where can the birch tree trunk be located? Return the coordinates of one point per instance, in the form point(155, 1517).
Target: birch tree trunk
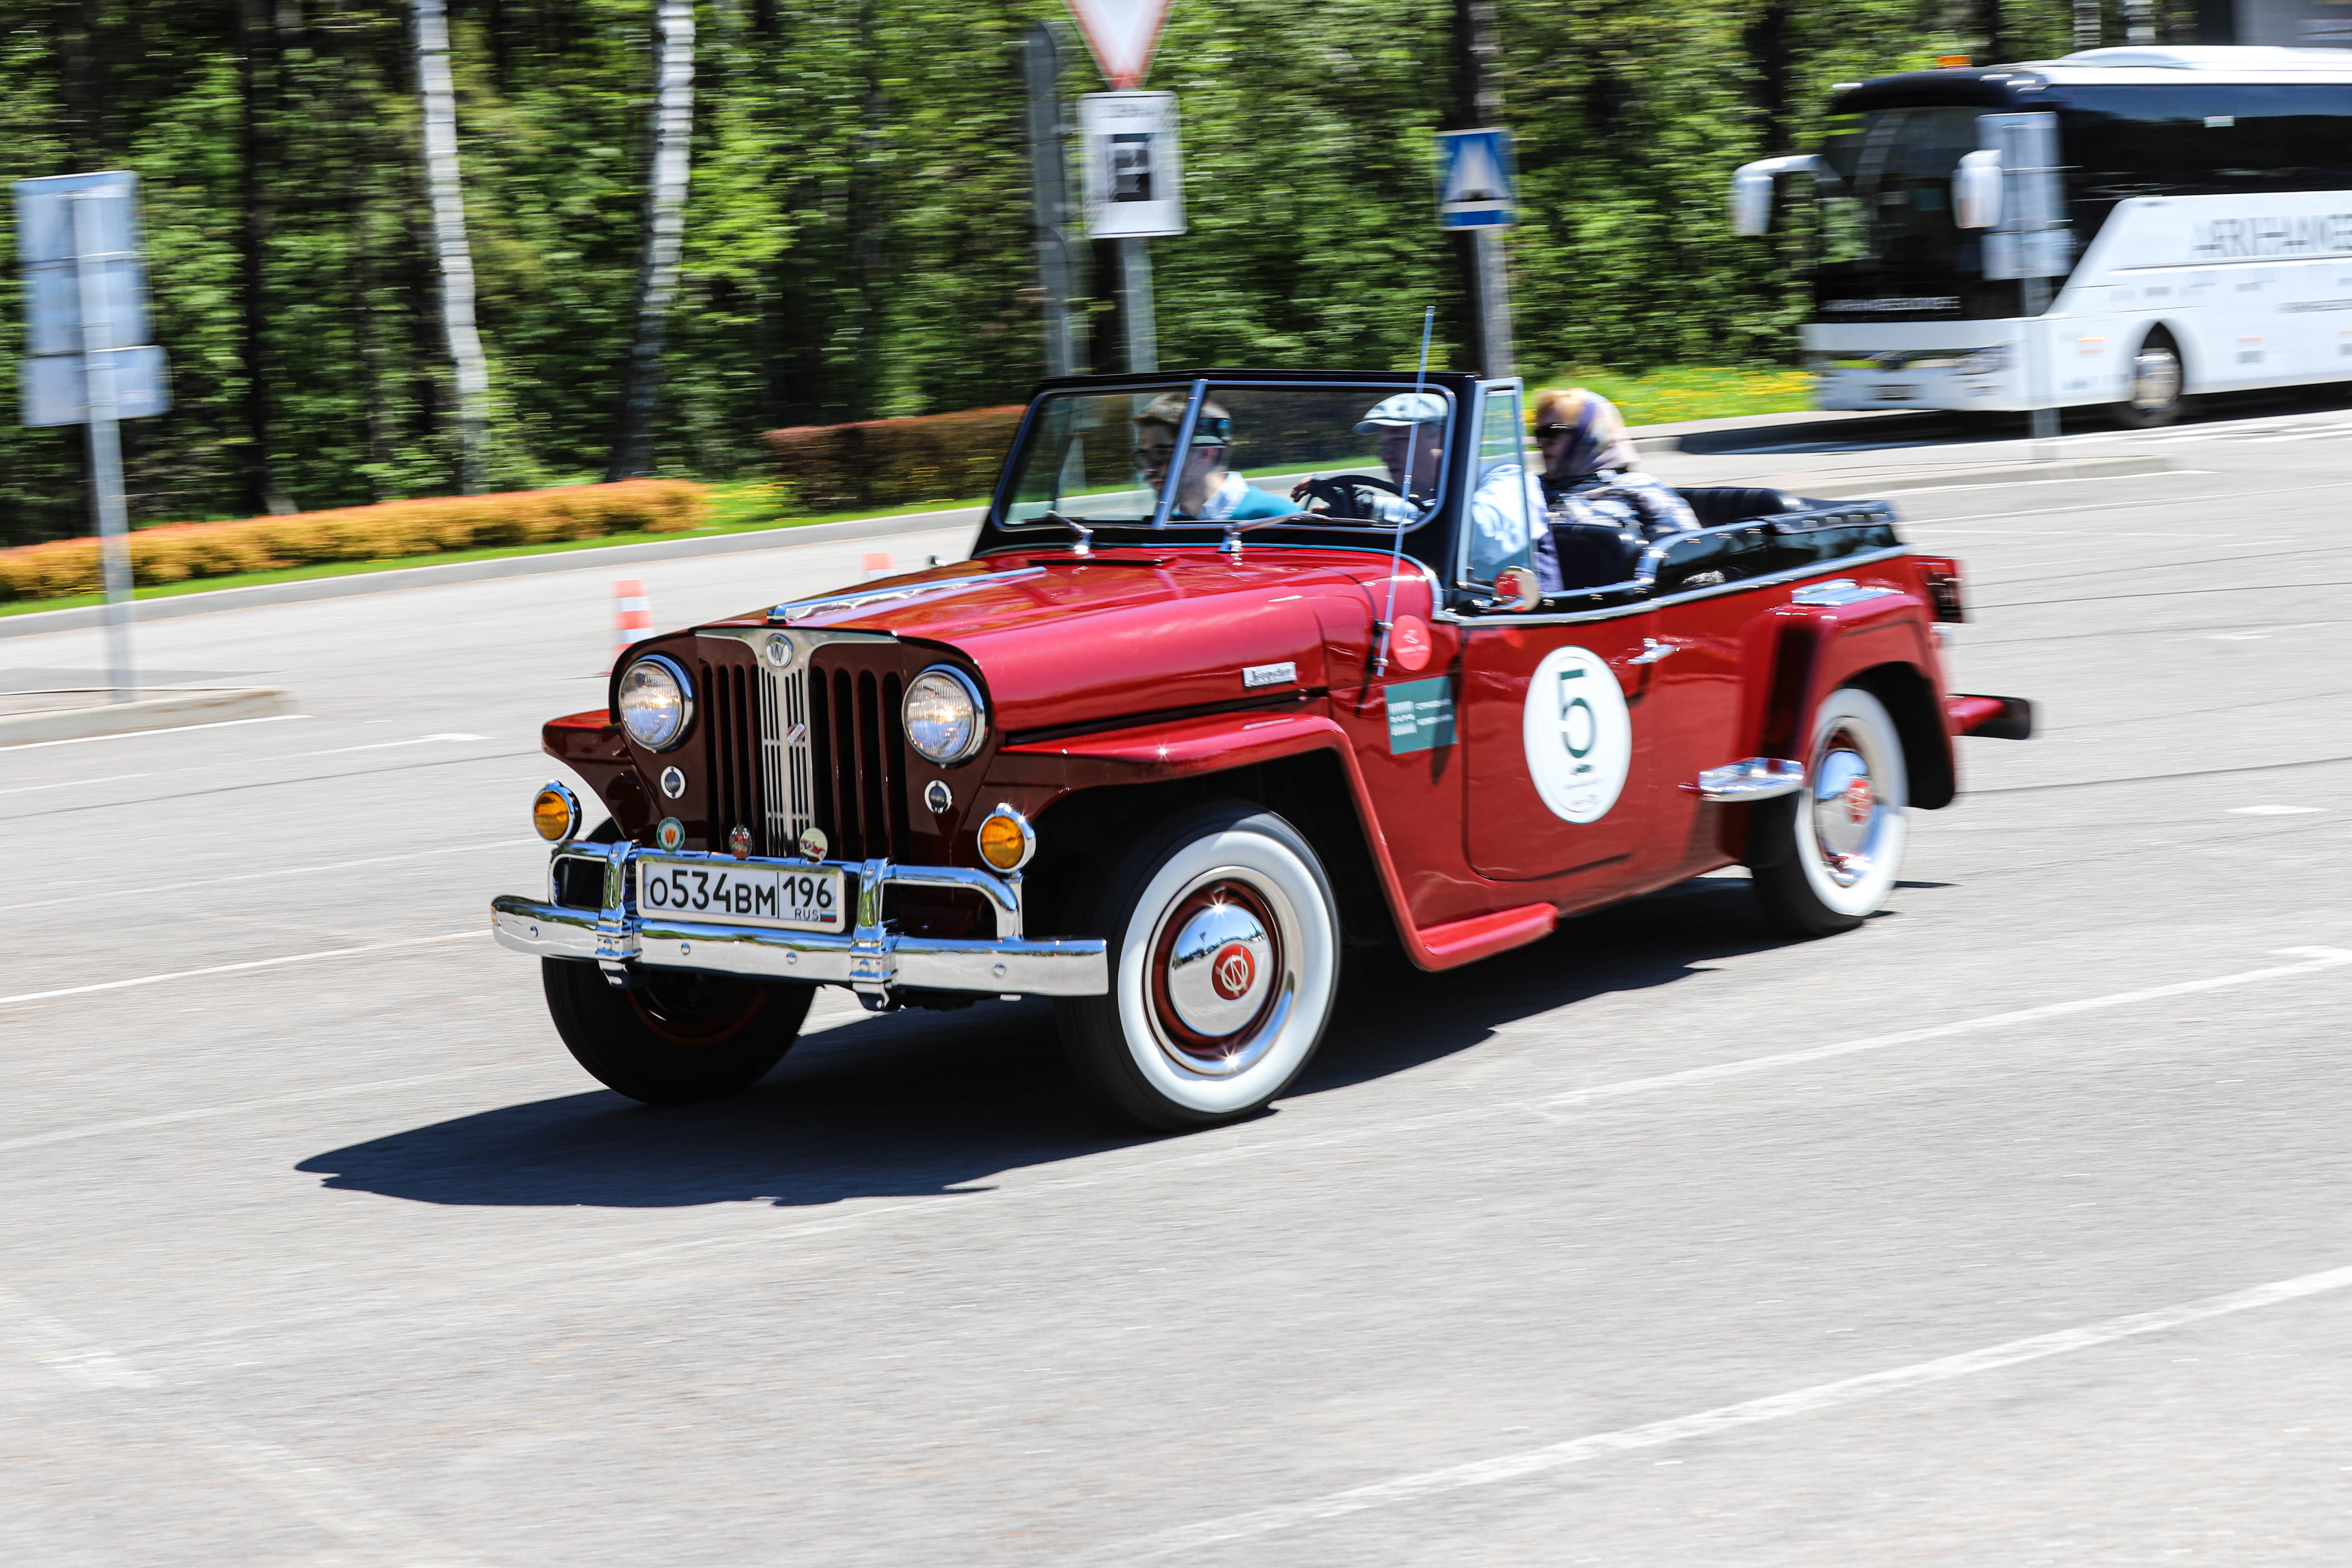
point(656, 291)
point(446, 194)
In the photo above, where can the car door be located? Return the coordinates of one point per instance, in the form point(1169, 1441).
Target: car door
point(1554, 731)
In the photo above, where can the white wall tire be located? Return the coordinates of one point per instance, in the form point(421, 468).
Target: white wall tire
point(1224, 968)
point(1825, 859)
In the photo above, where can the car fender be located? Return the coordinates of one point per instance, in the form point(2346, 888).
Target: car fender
point(1208, 744)
point(1884, 643)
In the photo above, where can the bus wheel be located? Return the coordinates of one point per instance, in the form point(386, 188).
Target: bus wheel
point(2157, 383)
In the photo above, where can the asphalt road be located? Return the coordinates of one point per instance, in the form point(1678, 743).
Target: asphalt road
point(2011, 1228)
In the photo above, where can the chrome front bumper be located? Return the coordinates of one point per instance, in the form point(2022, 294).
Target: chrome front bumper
point(869, 958)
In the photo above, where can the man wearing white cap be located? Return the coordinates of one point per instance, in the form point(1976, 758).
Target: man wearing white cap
point(1412, 429)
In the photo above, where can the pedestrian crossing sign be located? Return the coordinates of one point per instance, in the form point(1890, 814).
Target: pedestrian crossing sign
point(1476, 185)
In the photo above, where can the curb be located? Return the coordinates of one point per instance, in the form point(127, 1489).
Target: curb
point(33, 623)
point(1831, 484)
point(181, 708)
point(1669, 437)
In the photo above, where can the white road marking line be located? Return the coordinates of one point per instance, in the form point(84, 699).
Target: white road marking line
point(387, 745)
point(306, 1486)
point(1897, 487)
point(2272, 810)
point(2319, 958)
point(333, 1092)
point(235, 968)
point(275, 871)
point(1729, 1417)
point(204, 1113)
point(166, 730)
point(69, 783)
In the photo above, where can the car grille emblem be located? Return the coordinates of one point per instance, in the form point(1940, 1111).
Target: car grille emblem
point(796, 735)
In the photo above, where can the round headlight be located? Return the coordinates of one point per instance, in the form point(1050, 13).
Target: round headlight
point(656, 703)
point(945, 720)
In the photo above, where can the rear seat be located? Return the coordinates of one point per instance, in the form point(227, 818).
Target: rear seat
point(1593, 556)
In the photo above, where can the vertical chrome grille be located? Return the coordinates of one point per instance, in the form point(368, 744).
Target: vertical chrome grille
point(787, 760)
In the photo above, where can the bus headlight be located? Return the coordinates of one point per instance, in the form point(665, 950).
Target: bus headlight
point(656, 703)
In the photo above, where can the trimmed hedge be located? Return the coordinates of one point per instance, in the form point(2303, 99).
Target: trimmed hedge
point(179, 551)
point(894, 462)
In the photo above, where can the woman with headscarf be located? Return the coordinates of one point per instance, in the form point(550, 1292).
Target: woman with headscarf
point(1592, 493)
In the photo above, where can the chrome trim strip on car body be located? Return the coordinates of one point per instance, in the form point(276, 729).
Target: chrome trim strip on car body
point(800, 609)
point(1688, 596)
point(1749, 779)
point(869, 958)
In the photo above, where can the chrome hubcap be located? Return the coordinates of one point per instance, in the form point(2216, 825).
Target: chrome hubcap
point(1219, 969)
point(2156, 379)
point(1221, 975)
point(1847, 810)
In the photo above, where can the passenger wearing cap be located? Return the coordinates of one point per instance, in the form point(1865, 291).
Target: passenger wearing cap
point(1206, 490)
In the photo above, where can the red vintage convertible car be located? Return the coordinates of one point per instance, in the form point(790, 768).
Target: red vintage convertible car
point(1175, 739)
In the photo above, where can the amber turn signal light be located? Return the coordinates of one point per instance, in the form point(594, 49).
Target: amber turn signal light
point(556, 814)
point(1006, 840)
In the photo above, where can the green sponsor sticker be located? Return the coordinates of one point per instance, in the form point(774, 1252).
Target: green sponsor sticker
point(1420, 715)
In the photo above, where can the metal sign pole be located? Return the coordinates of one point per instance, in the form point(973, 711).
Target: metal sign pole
point(105, 434)
point(1135, 305)
point(1493, 304)
point(1049, 195)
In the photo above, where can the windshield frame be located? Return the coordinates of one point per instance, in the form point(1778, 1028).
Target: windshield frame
point(1197, 385)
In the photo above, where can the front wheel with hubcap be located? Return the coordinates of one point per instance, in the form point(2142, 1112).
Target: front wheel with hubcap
point(1826, 856)
point(1224, 965)
point(672, 1038)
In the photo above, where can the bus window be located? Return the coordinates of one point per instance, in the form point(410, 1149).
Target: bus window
point(2207, 139)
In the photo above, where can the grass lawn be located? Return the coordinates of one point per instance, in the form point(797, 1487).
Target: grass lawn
point(746, 507)
point(1672, 393)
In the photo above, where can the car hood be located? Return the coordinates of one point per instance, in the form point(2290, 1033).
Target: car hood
point(1062, 640)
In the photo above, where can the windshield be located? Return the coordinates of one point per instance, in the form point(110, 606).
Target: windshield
point(1890, 211)
point(1337, 456)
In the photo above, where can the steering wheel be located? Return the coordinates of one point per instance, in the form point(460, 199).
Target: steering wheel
point(1342, 494)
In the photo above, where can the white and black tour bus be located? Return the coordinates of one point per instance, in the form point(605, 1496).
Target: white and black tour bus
point(2199, 236)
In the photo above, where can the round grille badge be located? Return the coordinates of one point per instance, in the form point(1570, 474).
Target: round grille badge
point(1233, 971)
point(1579, 737)
point(1859, 798)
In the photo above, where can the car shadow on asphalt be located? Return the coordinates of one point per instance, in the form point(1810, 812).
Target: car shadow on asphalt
point(918, 1103)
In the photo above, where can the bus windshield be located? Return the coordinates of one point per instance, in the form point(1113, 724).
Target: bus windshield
point(1890, 216)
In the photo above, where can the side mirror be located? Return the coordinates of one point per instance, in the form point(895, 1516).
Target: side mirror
point(1517, 589)
point(1751, 189)
point(1751, 202)
point(1976, 190)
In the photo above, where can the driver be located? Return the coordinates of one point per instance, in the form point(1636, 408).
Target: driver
point(1411, 430)
point(1206, 488)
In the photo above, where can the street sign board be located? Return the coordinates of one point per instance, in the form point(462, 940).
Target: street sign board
point(1122, 34)
point(77, 241)
point(1476, 183)
point(1135, 176)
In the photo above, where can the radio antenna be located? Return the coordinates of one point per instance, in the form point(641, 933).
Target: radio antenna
point(1411, 450)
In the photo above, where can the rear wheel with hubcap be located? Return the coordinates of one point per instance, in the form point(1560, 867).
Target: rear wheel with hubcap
point(673, 1038)
point(2159, 385)
point(1826, 856)
point(1224, 965)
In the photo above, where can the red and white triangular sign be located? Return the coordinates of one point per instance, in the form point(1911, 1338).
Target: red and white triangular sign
point(1122, 34)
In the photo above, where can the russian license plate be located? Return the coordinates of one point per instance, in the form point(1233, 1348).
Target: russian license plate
point(745, 895)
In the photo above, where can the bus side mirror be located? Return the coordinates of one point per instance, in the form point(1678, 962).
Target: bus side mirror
point(1751, 190)
point(1751, 202)
point(1976, 190)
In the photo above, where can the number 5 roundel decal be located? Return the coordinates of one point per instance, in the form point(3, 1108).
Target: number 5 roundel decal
point(1579, 738)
